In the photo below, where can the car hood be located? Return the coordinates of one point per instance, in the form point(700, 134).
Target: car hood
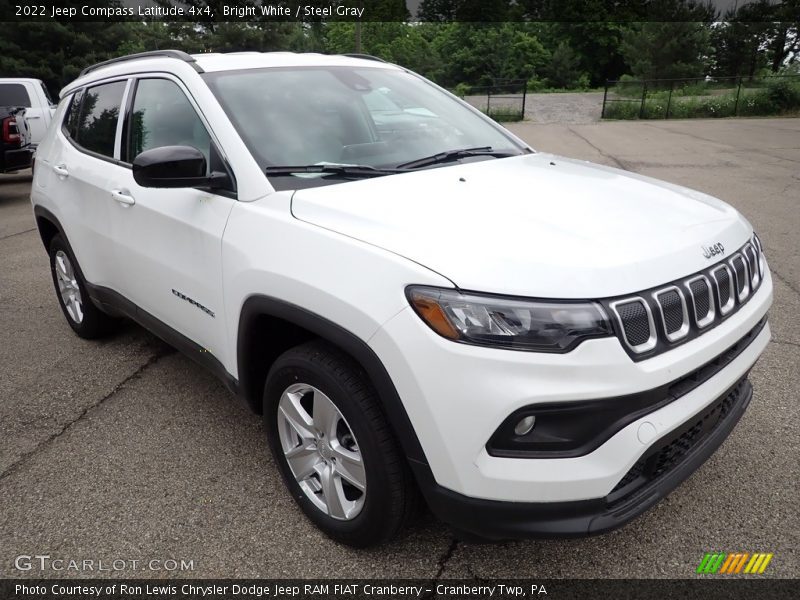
point(535, 225)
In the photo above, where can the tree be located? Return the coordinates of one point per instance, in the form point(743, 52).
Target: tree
point(785, 43)
point(595, 43)
point(563, 69)
point(448, 11)
point(400, 43)
point(480, 53)
point(55, 51)
point(667, 50)
point(740, 48)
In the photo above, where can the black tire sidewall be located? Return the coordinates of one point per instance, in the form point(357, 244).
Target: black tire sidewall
point(94, 323)
point(368, 526)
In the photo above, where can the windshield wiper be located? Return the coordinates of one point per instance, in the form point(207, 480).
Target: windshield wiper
point(343, 170)
point(443, 157)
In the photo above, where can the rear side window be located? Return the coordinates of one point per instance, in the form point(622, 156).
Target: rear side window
point(14, 94)
point(163, 116)
point(72, 115)
point(97, 126)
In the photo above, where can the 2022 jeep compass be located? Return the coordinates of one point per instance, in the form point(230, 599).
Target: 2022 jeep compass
point(413, 298)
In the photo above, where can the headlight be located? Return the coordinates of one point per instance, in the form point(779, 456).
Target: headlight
point(539, 326)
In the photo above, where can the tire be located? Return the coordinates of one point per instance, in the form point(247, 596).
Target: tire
point(88, 321)
point(309, 376)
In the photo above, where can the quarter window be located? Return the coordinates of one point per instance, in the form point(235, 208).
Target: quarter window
point(163, 116)
point(72, 116)
point(97, 127)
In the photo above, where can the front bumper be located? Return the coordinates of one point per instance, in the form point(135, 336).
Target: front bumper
point(668, 462)
point(457, 395)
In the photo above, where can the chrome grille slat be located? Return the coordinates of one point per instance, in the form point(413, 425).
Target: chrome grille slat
point(742, 279)
point(723, 282)
point(751, 258)
point(636, 323)
point(759, 255)
point(701, 293)
point(676, 325)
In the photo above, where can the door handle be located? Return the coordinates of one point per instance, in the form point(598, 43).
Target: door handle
point(122, 198)
point(31, 117)
point(61, 170)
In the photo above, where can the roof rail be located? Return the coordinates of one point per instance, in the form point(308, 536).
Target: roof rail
point(365, 57)
point(179, 54)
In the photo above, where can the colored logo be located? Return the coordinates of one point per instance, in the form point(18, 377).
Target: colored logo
point(722, 563)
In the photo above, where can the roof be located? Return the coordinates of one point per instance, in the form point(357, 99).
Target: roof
point(173, 61)
point(254, 60)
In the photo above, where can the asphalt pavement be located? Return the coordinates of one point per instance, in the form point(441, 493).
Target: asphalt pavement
point(124, 450)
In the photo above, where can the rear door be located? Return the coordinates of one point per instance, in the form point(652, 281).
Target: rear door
point(168, 241)
point(83, 168)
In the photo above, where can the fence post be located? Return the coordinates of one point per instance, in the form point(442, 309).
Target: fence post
point(736, 103)
point(669, 99)
point(524, 94)
point(644, 99)
point(605, 95)
point(488, 100)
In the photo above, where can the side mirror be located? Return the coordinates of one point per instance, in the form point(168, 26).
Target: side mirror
point(174, 167)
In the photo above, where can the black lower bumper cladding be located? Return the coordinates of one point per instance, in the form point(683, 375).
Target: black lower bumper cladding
point(14, 160)
point(668, 462)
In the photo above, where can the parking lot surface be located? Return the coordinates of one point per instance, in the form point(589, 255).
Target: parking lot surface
point(124, 449)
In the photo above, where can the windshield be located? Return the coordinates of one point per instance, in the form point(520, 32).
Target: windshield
point(373, 117)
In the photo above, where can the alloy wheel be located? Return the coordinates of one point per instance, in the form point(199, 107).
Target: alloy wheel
point(321, 451)
point(68, 287)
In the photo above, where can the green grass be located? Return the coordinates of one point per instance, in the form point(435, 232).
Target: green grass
point(622, 109)
point(779, 97)
point(504, 114)
point(630, 89)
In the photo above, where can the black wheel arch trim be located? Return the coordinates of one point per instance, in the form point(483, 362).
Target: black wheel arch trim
point(254, 307)
point(114, 303)
point(261, 305)
point(43, 213)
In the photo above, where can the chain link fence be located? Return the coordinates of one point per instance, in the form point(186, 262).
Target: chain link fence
point(701, 97)
point(504, 100)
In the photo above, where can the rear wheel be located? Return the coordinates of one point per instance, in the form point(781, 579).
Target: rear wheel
point(336, 452)
point(83, 316)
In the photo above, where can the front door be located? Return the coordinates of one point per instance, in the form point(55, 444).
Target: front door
point(168, 241)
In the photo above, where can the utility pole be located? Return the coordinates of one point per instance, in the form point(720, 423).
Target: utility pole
point(358, 29)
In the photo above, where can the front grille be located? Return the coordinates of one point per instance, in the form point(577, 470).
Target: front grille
point(683, 308)
point(666, 456)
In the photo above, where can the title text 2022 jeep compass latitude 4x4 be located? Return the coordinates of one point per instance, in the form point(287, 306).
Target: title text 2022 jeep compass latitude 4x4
point(413, 298)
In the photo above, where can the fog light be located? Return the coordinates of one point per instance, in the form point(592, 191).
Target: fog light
point(525, 425)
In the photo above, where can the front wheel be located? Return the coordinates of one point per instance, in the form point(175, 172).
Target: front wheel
point(335, 450)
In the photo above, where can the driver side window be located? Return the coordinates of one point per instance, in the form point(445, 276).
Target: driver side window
point(163, 116)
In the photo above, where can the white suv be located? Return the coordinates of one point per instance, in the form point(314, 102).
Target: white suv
point(414, 299)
